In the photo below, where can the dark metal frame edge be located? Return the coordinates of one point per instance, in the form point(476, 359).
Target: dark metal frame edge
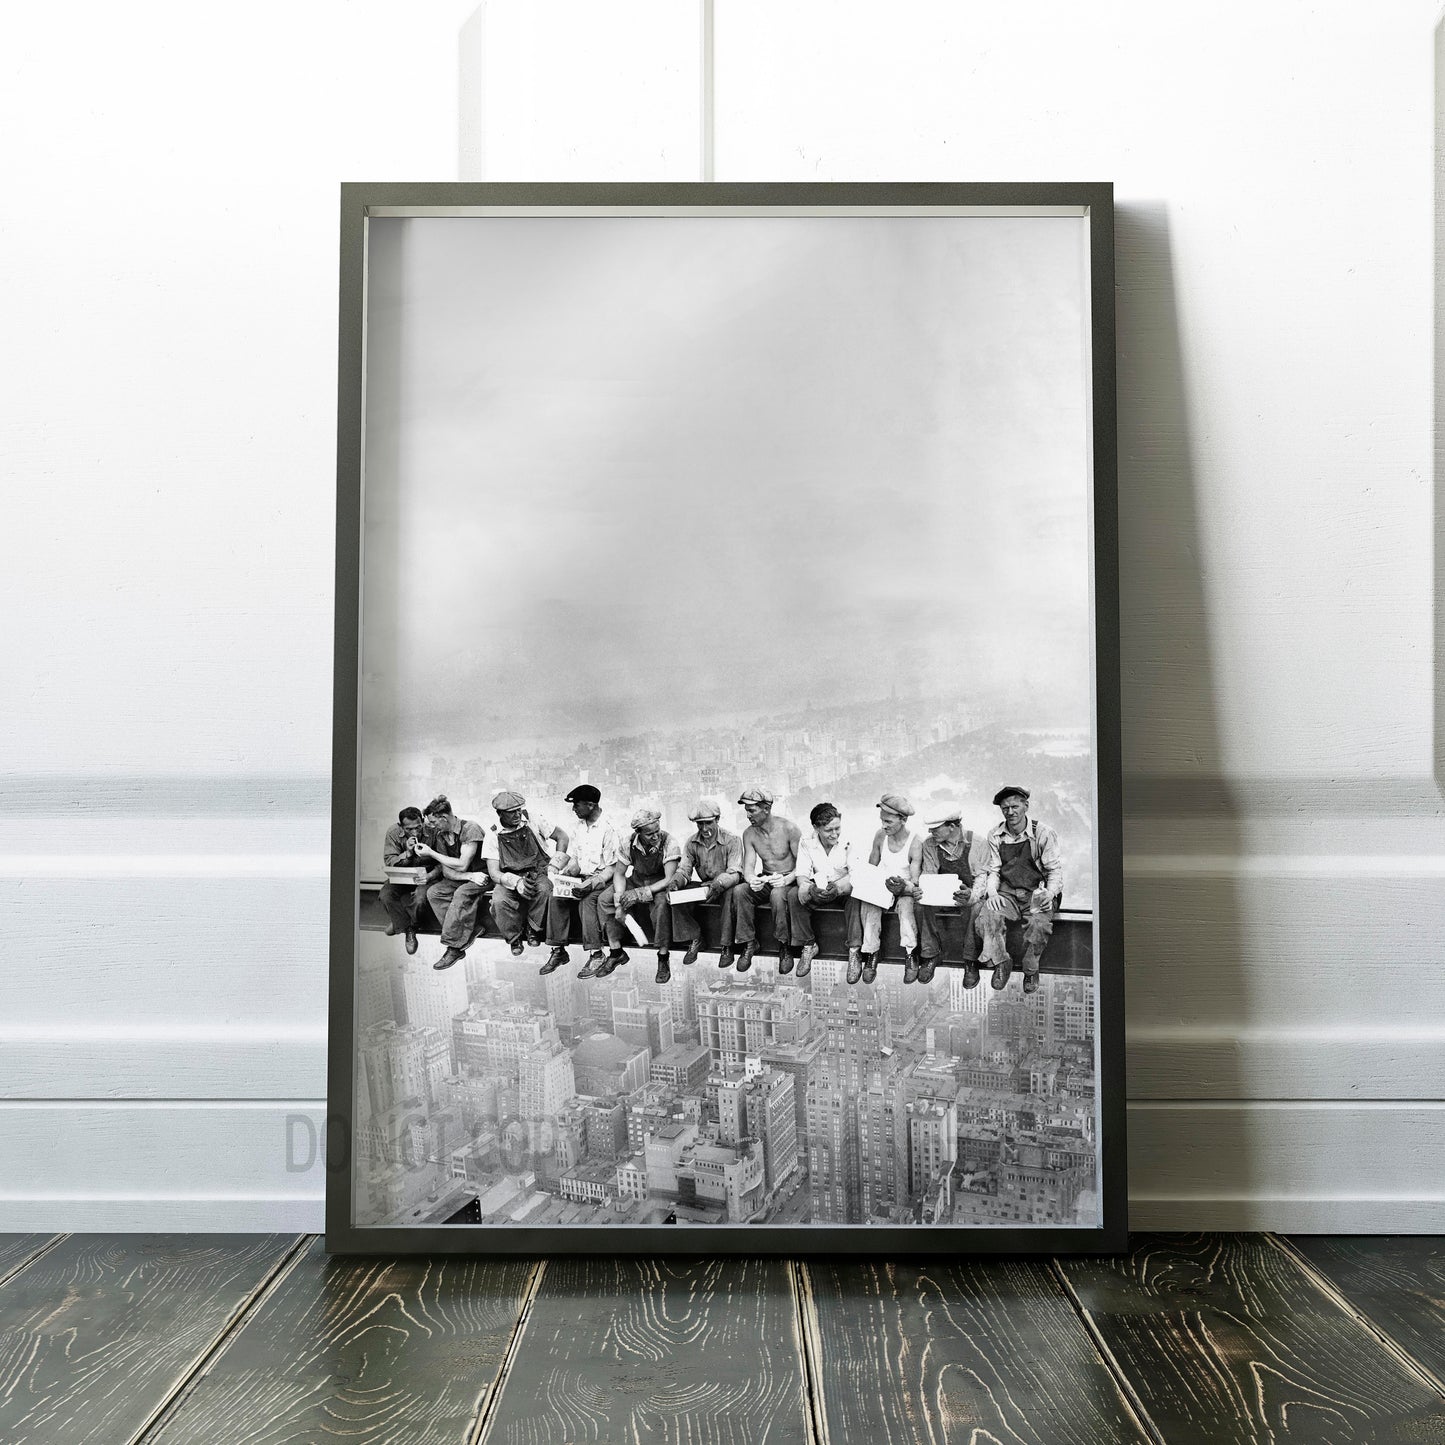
point(862, 1241)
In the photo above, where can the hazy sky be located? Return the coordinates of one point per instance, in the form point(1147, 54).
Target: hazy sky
point(630, 472)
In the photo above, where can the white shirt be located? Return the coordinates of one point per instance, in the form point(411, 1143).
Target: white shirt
point(815, 861)
point(595, 845)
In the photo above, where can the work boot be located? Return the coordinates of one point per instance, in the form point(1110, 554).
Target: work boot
point(725, 958)
point(392, 930)
point(591, 968)
point(411, 940)
point(805, 963)
point(516, 947)
point(785, 961)
point(925, 970)
point(910, 966)
point(870, 968)
point(664, 971)
point(555, 960)
point(532, 938)
point(746, 961)
point(614, 960)
point(855, 965)
point(1002, 972)
point(451, 956)
point(693, 949)
point(970, 974)
point(1031, 980)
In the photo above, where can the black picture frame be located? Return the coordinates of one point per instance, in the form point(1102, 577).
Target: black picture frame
point(362, 203)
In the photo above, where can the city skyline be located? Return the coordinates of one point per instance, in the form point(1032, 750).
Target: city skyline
point(499, 1097)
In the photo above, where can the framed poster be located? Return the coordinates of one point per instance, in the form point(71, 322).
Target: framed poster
point(727, 849)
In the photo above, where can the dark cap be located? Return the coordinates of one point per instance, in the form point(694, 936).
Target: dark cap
point(1010, 792)
point(584, 793)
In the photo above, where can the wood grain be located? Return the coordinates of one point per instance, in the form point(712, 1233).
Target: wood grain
point(17, 1250)
point(989, 1351)
point(1224, 1340)
point(98, 1333)
point(1396, 1281)
point(706, 1352)
point(373, 1351)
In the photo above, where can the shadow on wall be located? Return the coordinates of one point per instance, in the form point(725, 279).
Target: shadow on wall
point(1438, 420)
point(1186, 919)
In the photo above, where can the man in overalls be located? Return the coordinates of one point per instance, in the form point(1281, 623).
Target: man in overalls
point(1024, 883)
point(651, 855)
point(714, 857)
point(949, 848)
point(516, 856)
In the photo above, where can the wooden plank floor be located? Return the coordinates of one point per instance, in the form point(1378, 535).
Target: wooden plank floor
point(178, 1340)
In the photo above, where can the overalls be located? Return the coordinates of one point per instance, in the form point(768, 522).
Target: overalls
point(647, 868)
point(520, 851)
point(931, 945)
point(1018, 877)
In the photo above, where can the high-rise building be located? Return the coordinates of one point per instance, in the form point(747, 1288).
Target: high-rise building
point(680, 993)
point(434, 999)
point(402, 1063)
point(643, 1022)
point(883, 1191)
point(833, 1182)
point(857, 1032)
point(562, 998)
point(546, 1080)
point(606, 1121)
point(756, 1102)
point(932, 1143)
point(737, 1019)
point(491, 1041)
point(966, 1000)
point(375, 1003)
point(800, 1062)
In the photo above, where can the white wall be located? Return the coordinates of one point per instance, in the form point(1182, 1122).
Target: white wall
point(168, 239)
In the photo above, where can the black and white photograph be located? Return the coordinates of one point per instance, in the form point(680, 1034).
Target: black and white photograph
point(726, 777)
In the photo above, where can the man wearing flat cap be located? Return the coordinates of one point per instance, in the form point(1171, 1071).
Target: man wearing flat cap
point(950, 848)
point(517, 857)
point(594, 857)
point(456, 897)
point(1024, 881)
point(770, 856)
point(650, 856)
point(898, 850)
point(714, 857)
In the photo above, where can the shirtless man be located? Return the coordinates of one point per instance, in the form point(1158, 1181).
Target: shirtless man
point(770, 859)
